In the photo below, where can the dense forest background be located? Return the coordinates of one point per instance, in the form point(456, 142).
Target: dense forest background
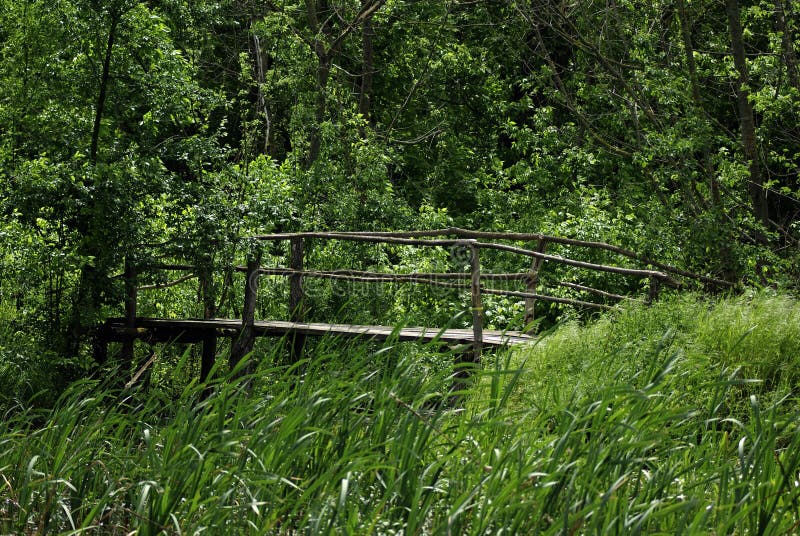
point(671, 128)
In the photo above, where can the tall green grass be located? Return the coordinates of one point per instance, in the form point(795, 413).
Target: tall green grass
point(641, 423)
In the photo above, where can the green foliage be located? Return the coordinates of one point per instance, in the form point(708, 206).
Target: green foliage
point(747, 337)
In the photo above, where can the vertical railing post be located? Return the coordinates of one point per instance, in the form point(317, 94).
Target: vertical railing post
point(470, 356)
point(209, 353)
point(209, 356)
point(654, 290)
point(297, 298)
point(477, 303)
point(532, 284)
point(131, 291)
point(243, 343)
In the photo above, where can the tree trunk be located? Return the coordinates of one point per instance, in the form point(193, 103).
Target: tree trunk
point(320, 109)
point(326, 45)
point(367, 68)
point(104, 79)
point(691, 66)
point(316, 11)
point(747, 121)
point(260, 79)
point(89, 293)
point(787, 45)
point(725, 254)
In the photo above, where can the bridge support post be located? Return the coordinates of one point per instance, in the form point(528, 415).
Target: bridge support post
point(209, 352)
point(297, 298)
point(477, 302)
point(653, 291)
point(131, 294)
point(243, 342)
point(470, 356)
point(533, 282)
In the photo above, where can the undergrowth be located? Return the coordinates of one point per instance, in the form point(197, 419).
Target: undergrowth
point(644, 422)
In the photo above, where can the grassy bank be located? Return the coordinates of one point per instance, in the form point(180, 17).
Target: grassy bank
point(680, 418)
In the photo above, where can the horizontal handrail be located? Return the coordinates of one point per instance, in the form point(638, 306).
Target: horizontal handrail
point(168, 284)
point(365, 276)
point(374, 236)
point(414, 277)
point(356, 275)
point(376, 277)
point(414, 238)
point(546, 297)
point(599, 292)
point(661, 276)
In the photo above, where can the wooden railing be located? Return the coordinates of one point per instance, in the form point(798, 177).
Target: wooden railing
point(658, 273)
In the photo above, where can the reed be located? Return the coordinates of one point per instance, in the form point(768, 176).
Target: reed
point(631, 425)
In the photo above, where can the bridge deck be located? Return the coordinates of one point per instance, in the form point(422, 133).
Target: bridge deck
point(163, 329)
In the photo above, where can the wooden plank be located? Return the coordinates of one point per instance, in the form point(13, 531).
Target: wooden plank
point(194, 330)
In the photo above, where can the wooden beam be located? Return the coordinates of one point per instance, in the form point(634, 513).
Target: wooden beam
point(126, 355)
point(653, 291)
point(243, 343)
point(532, 283)
point(510, 236)
point(192, 331)
point(365, 238)
point(666, 279)
point(545, 297)
point(477, 303)
point(488, 245)
point(209, 344)
point(295, 273)
point(360, 275)
point(297, 298)
point(168, 284)
point(470, 357)
point(419, 279)
point(209, 356)
point(599, 292)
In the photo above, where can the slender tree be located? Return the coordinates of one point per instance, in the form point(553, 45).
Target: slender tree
point(747, 122)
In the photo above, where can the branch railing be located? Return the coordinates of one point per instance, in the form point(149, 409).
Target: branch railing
point(468, 241)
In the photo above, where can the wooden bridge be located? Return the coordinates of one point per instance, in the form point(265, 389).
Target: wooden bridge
point(468, 244)
point(191, 331)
